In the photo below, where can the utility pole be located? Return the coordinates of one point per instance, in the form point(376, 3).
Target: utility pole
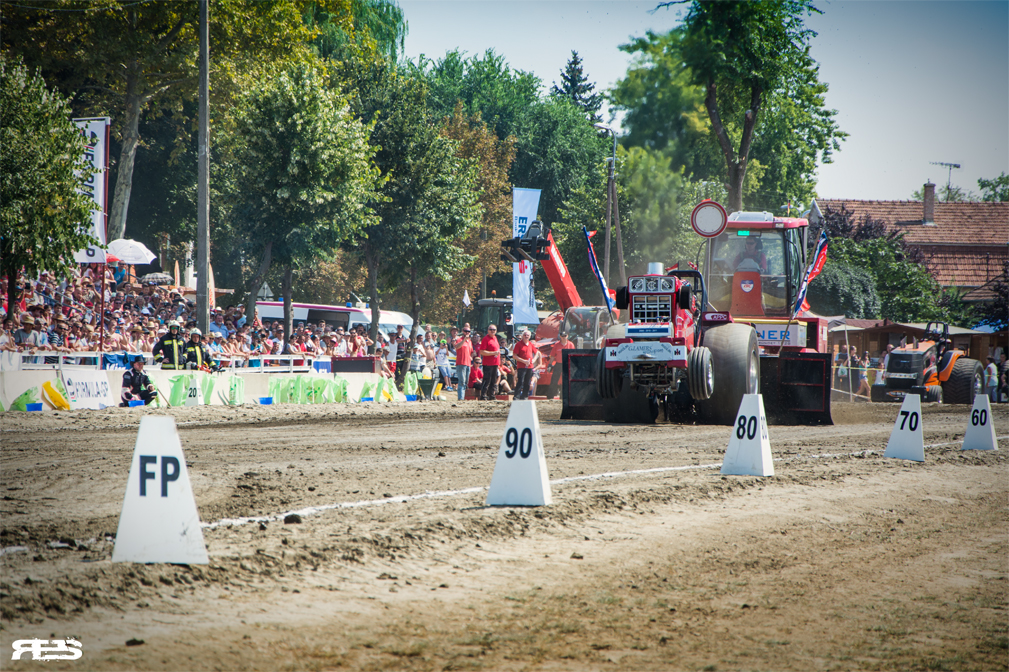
point(949, 177)
point(203, 176)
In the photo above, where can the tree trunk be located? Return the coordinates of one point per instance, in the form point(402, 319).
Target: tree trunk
point(735, 163)
point(257, 282)
point(371, 259)
point(127, 155)
point(288, 310)
point(12, 283)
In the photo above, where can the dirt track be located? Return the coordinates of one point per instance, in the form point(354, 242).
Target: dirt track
point(842, 560)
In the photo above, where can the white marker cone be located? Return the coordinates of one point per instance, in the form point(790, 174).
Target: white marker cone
point(749, 451)
point(159, 521)
point(520, 474)
point(193, 394)
point(907, 441)
point(980, 434)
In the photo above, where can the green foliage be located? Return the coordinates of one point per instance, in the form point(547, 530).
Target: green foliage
point(907, 291)
point(665, 109)
point(44, 220)
point(486, 85)
point(995, 190)
point(752, 59)
point(577, 89)
point(948, 193)
point(846, 290)
point(655, 203)
point(379, 23)
point(428, 197)
point(300, 174)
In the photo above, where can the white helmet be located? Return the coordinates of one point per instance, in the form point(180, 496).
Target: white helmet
point(195, 332)
point(173, 323)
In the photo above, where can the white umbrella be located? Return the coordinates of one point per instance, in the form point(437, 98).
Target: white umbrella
point(130, 251)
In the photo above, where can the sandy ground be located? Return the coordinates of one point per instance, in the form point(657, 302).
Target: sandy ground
point(843, 560)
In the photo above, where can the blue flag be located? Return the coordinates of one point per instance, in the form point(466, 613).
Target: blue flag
point(819, 259)
point(610, 303)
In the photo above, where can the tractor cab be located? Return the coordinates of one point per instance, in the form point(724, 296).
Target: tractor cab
point(755, 265)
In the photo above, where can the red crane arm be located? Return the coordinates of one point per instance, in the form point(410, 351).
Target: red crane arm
point(560, 280)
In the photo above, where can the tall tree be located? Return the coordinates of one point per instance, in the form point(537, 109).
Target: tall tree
point(994, 190)
point(576, 88)
point(121, 58)
point(44, 218)
point(378, 23)
point(427, 199)
point(301, 174)
point(742, 54)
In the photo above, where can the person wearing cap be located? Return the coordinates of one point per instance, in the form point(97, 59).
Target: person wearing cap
point(441, 361)
point(137, 384)
point(463, 361)
point(524, 352)
point(171, 347)
point(26, 337)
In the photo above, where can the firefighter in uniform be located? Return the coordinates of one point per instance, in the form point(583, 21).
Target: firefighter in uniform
point(137, 384)
point(197, 354)
point(171, 347)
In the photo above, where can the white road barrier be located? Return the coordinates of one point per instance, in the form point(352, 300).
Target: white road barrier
point(159, 521)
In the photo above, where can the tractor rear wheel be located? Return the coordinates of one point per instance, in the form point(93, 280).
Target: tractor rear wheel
point(933, 393)
point(735, 363)
point(965, 382)
point(700, 377)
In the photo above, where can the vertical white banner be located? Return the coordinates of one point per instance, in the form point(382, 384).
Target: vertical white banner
point(94, 133)
point(525, 207)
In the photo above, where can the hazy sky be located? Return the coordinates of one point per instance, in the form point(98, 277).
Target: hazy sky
point(912, 81)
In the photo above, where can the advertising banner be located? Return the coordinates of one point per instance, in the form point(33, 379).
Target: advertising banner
point(95, 134)
point(89, 389)
point(525, 206)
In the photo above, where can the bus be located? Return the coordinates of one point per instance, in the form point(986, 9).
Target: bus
point(347, 317)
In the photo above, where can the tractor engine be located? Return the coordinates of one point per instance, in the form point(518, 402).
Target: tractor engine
point(651, 350)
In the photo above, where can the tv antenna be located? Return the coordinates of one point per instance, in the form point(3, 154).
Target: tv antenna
point(949, 178)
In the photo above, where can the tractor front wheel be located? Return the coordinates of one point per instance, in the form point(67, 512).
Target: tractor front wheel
point(700, 377)
point(735, 362)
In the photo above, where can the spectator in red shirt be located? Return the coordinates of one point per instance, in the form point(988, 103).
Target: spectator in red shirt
point(556, 361)
point(463, 359)
point(524, 354)
point(490, 358)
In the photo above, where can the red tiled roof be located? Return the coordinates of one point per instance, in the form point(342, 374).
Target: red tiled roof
point(963, 266)
point(966, 246)
point(955, 223)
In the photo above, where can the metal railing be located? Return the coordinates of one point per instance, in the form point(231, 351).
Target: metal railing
point(44, 360)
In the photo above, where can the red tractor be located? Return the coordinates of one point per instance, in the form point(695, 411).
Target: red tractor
point(695, 342)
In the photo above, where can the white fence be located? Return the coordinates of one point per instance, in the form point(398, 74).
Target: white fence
point(52, 360)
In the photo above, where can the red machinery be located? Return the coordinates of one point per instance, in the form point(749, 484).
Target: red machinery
point(585, 325)
point(687, 355)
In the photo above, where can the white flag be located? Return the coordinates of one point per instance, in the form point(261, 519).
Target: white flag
point(465, 298)
point(525, 204)
point(94, 134)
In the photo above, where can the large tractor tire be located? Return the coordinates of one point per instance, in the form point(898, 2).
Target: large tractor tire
point(608, 381)
point(700, 376)
point(735, 362)
point(965, 382)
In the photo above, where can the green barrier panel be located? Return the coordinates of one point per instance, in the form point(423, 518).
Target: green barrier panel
point(379, 386)
point(366, 391)
point(319, 390)
point(180, 388)
point(339, 387)
point(236, 391)
point(410, 383)
point(207, 387)
point(29, 396)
